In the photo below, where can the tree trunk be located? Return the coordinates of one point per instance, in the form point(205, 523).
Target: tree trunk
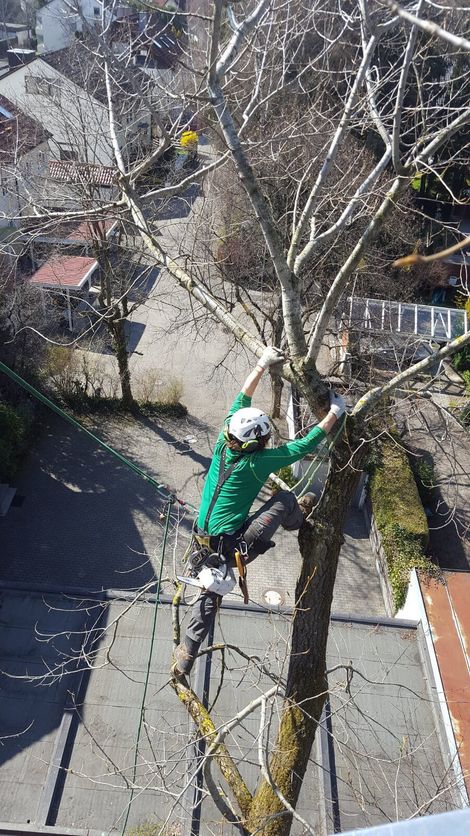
point(320, 544)
point(120, 349)
point(277, 385)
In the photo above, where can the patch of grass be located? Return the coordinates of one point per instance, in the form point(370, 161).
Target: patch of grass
point(171, 410)
point(149, 828)
point(466, 376)
point(399, 516)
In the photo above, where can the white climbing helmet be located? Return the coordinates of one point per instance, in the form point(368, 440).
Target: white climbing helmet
point(248, 424)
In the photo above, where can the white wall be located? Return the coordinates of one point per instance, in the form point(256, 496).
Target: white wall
point(24, 184)
point(74, 119)
point(55, 26)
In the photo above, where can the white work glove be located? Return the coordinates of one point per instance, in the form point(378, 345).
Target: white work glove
point(270, 357)
point(337, 404)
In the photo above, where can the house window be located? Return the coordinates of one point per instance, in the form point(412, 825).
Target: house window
point(41, 86)
point(96, 11)
point(68, 155)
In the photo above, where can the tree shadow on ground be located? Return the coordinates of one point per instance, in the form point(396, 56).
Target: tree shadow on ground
point(82, 520)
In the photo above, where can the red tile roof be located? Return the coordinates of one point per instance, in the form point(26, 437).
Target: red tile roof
point(64, 271)
point(73, 172)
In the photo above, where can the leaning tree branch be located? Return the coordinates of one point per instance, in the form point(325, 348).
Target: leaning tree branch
point(333, 296)
point(416, 258)
point(398, 188)
point(241, 31)
point(217, 748)
point(431, 28)
point(398, 110)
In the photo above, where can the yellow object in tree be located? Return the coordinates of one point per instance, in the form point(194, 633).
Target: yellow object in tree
point(189, 139)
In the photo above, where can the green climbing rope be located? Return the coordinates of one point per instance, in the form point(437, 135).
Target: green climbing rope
point(149, 663)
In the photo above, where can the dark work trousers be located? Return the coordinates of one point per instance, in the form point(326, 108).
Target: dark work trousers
point(257, 531)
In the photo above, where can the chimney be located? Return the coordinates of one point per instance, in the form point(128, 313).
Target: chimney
point(19, 57)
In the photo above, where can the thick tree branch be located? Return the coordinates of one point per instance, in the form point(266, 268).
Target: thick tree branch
point(217, 749)
point(431, 28)
point(239, 35)
point(397, 113)
point(296, 261)
point(365, 404)
point(342, 277)
point(289, 294)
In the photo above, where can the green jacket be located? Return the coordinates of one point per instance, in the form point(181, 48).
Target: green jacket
point(245, 482)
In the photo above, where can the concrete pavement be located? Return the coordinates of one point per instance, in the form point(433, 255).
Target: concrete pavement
point(86, 521)
point(433, 433)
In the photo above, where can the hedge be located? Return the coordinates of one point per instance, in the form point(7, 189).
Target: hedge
point(13, 434)
point(399, 516)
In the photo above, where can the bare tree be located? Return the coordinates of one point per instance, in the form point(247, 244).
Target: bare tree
point(361, 87)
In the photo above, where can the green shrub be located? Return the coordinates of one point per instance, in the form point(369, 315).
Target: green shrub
point(425, 478)
point(461, 359)
point(287, 476)
point(466, 376)
point(13, 436)
point(465, 415)
point(399, 516)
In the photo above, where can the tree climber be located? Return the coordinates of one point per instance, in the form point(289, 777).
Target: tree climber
point(240, 466)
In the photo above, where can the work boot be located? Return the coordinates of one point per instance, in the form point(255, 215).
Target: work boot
point(182, 662)
point(307, 503)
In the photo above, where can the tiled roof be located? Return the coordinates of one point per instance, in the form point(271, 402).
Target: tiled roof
point(19, 133)
point(73, 172)
point(64, 271)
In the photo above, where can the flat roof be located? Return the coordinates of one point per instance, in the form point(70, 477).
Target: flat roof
point(71, 271)
point(70, 736)
point(67, 232)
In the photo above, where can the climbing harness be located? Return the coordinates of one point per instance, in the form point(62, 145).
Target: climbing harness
point(209, 569)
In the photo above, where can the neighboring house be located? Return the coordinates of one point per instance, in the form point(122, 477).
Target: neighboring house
point(70, 181)
point(65, 91)
point(24, 161)
point(57, 24)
